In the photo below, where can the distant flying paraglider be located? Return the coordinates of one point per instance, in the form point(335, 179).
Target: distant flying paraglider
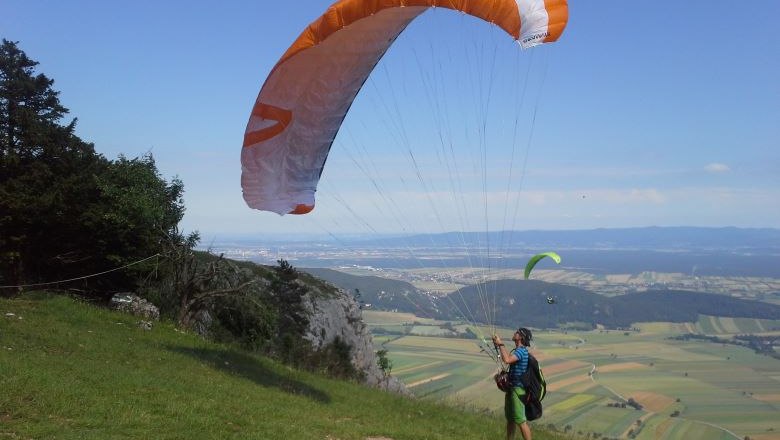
point(536, 258)
point(305, 98)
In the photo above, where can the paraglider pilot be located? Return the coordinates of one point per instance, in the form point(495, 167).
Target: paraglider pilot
point(517, 359)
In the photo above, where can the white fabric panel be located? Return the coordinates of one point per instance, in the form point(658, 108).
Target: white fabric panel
point(533, 22)
point(318, 85)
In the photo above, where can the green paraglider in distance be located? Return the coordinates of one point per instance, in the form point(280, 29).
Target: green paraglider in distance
point(535, 259)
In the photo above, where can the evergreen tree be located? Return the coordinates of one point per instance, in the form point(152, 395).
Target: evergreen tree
point(43, 168)
point(66, 211)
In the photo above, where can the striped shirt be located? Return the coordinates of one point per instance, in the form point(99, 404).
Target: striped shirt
point(517, 369)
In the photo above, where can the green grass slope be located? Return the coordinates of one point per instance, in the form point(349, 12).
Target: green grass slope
point(71, 370)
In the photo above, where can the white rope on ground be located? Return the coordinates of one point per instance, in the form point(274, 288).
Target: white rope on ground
point(81, 278)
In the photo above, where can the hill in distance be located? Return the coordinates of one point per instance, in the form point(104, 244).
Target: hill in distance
point(648, 238)
point(526, 300)
point(380, 293)
point(765, 240)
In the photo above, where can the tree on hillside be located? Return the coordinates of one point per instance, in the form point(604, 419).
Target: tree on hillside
point(66, 211)
point(41, 164)
point(293, 321)
point(134, 216)
point(192, 283)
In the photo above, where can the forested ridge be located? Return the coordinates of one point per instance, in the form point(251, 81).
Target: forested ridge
point(527, 301)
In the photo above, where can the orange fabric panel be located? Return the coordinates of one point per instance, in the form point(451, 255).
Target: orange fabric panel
point(558, 13)
point(281, 116)
point(302, 209)
point(345, 12)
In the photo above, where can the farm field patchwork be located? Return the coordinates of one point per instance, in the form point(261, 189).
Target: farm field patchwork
point(715, 325)
point(690, 389)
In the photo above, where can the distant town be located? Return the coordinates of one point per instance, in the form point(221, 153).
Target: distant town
point(439, 270)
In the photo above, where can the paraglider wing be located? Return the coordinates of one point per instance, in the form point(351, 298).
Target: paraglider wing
point(536, 258)
point(306, 96)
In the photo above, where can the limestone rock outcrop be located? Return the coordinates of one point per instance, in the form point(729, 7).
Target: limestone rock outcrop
point(135, 305)
point(338, 315)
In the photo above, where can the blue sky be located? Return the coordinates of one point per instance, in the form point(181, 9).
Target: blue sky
point(644, 113)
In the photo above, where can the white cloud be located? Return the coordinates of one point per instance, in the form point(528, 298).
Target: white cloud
point(621, 172)
point(717, 168)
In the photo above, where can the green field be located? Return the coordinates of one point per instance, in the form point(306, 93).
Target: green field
point(715, 325)
point(720, 391)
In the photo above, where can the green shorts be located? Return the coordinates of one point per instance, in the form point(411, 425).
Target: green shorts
point(514, 410)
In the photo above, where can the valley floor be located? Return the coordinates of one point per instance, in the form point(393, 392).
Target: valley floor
point(687, 389)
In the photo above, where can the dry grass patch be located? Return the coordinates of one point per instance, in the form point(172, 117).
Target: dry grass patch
point(430, 342)
point(541, 356)
point(377, 317)
point(660, 430)
point(558, 384)
point(729, 325)
point(621, 366)
point(417, 367)
point(582, 388)
point(652, 401)
point(767, 436)
point(561, 367)
point(427, 380)
point(771, 398)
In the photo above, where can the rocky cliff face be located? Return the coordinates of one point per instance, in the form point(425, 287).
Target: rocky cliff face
point(337, 314)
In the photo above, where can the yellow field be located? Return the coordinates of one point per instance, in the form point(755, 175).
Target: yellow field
point(572, 402)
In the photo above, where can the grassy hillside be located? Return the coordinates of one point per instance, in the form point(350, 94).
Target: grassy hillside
point(71, 370)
